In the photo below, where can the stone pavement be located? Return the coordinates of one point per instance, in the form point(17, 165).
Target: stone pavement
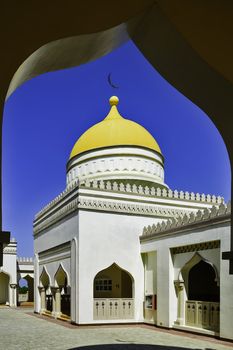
point(21, 329)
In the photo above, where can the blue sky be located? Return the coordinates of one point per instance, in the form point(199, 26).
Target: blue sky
point(46, 115)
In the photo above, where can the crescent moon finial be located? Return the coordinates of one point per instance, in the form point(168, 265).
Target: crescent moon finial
point(110, 82)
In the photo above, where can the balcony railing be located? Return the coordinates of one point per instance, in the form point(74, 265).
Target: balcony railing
point(113, 309)
point(202, 314)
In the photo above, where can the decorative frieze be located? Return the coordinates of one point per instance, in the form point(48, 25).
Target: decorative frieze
point(143, 191)
point(128, 166)
point(151, 191)
point(131, 208)
point(10, 248)
point(110, 206)
point(187, 219)
point(196, 247)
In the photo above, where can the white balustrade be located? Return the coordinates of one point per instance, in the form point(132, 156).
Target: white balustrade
point(113, 308)
point(202, 314)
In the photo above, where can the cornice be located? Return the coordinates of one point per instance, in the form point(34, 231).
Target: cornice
point(113, 206)
point(131, 189)
point(107, 199)
point(189, 221)
point(129, 208)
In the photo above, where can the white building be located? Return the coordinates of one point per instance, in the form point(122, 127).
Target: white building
point(13, 270)
point(96, 260)
point(8, 275)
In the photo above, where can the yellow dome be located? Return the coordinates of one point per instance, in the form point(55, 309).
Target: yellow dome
point(114, 130)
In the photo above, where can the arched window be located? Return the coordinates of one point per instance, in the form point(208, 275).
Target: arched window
point(113, 282)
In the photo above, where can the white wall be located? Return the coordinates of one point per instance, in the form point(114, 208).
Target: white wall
point(62, 232)
point(169, 267)
point(105, 239)
point(9, 267)
point(226, 289)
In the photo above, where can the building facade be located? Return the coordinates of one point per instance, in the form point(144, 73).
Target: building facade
point(94, 259)
point(13, 270)
point(183, 266)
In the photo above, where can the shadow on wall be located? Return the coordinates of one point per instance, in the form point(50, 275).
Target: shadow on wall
point(132, 347)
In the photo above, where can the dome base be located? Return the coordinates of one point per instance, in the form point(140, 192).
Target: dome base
point(123, 164)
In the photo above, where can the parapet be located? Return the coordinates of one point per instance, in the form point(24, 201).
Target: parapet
point(24, 260)
point(189, 218)
point(130, 188)
point(152, 191)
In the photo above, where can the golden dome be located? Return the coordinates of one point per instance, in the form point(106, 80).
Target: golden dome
point(114, 130)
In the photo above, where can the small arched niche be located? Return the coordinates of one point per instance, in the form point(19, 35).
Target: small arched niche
point(61, 277)
point(45, 283)
point(44, 279)
point(61, 280)
point(113, 282)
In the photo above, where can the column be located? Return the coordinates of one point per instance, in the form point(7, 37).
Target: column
point(30, 289)
point(74, 277)
point(37, 298)
point(42, 299)
point(180, 302)
point(13, 293)
point(56, 301)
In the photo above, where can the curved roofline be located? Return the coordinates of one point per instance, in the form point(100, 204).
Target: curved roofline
point(103, 134)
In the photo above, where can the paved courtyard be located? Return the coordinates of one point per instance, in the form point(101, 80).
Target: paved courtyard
point(21, 329)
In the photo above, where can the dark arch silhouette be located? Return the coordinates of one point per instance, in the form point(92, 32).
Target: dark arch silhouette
point(202, 284)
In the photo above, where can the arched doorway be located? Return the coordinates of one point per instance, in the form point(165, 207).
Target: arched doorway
point(202, 283)
point(4, 288)
point(113, 294)
point(202, 305)
point(45, 292)
point(26, 290)
point(62, 299)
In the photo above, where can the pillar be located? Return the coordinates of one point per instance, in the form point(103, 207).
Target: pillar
point(56, 292)
point(180, 302)
point(13, 301)
point(30, 289)
point(74, 290)
point(42, 299)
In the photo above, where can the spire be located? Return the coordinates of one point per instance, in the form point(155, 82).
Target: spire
point(113, 113)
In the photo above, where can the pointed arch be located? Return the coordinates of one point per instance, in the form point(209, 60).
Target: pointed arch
point(61, 280)
point(113, 282)
point(61, 277)
point(117, 266)
point(45, 280)
point(26, 277)
point(201, 279)
point(196, 258)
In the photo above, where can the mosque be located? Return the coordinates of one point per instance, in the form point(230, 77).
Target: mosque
point(118, 245)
